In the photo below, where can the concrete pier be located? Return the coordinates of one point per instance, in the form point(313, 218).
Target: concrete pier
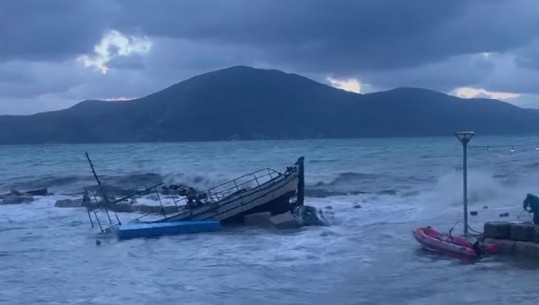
point(518, 238)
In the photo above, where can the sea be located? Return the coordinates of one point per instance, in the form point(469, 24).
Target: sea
point(374, 192)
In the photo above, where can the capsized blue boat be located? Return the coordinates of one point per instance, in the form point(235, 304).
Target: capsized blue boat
point(154, 229)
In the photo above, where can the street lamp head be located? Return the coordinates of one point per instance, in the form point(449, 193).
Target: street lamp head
point(465, 136)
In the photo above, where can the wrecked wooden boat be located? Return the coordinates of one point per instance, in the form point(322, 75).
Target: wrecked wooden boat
point(265, 190)
point(278, 195)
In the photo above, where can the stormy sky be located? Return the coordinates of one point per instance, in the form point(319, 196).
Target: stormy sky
point(54, 54)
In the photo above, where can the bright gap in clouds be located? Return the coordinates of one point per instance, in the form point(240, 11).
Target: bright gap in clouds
point(120, 99)
point(470, 92)
point(352, 85)
point(114, 44)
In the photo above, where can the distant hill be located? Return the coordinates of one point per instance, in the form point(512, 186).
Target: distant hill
point(246, 103)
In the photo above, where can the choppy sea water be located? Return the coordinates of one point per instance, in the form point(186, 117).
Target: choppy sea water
point(367, 256)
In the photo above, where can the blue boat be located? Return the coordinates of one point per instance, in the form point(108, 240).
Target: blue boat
point(155, 229)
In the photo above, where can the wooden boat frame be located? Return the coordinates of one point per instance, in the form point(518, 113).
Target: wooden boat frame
point(264, 190)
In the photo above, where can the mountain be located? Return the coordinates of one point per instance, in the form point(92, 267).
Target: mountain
point(246, 103)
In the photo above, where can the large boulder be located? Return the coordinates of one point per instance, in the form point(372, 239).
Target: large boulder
point(522, 231)
point(536, 234)
point(15, 199)
point(69, 203)
point(284, 221)
point(528, 249)
point(39, 192)
point(505, 246)
point(497, 229)
point(308, 216)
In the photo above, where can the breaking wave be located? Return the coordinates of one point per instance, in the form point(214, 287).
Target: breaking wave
point(484, 187)
point(352, 183)
point(75, 184)
point(344, 184)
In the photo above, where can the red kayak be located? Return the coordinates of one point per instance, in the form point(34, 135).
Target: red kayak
point(454, 246)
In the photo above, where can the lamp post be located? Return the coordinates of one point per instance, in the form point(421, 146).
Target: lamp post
point(465, 137)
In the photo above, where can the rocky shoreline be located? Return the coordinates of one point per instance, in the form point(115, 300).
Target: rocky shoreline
point(14, 197)
point(18, 197)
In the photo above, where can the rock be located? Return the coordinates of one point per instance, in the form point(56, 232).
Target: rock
point(263, 218)
point(284, 221)
point(536, 234)
point(15, 192)
point(328, 207)
point(504, 214)
point(15, 199)
point(69, 203)
point(485, 207)
point(40, 192)
point(357, 206)
point(308, 216)
point(497, 229)
point(522, 231)
point(528, 249)
point(473, 213)
point(505, 246)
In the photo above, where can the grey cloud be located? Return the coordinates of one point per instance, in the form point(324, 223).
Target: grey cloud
point(132, 62)
point(464, 70)
point(374, 34)
point(509, 76)
point(321, 35)
point(384, 43)
point(24, 79)
point(527, 101)
point(348, 35)
point(51, 30)
point(528, 56)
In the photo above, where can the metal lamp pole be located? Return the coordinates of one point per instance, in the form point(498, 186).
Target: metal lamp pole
point(464, 138)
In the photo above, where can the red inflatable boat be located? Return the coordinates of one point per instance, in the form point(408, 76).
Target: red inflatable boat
point(454, 246)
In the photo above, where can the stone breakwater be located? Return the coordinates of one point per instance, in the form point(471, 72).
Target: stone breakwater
point(516, 238)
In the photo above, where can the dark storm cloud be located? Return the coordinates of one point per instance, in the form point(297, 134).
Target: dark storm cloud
point(346, 35)
point(51, 30)
point(442, 76)
point(383, 43)
point(528, 56)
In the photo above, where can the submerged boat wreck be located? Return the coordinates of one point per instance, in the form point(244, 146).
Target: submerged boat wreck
point(263, 194)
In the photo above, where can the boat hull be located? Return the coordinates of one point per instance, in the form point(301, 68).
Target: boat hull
point(273, 196)
point(152, 229)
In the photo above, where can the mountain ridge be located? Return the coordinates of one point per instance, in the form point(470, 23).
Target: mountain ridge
point(241, 102)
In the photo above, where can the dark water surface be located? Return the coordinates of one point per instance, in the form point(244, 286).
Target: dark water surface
point(367, 256)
